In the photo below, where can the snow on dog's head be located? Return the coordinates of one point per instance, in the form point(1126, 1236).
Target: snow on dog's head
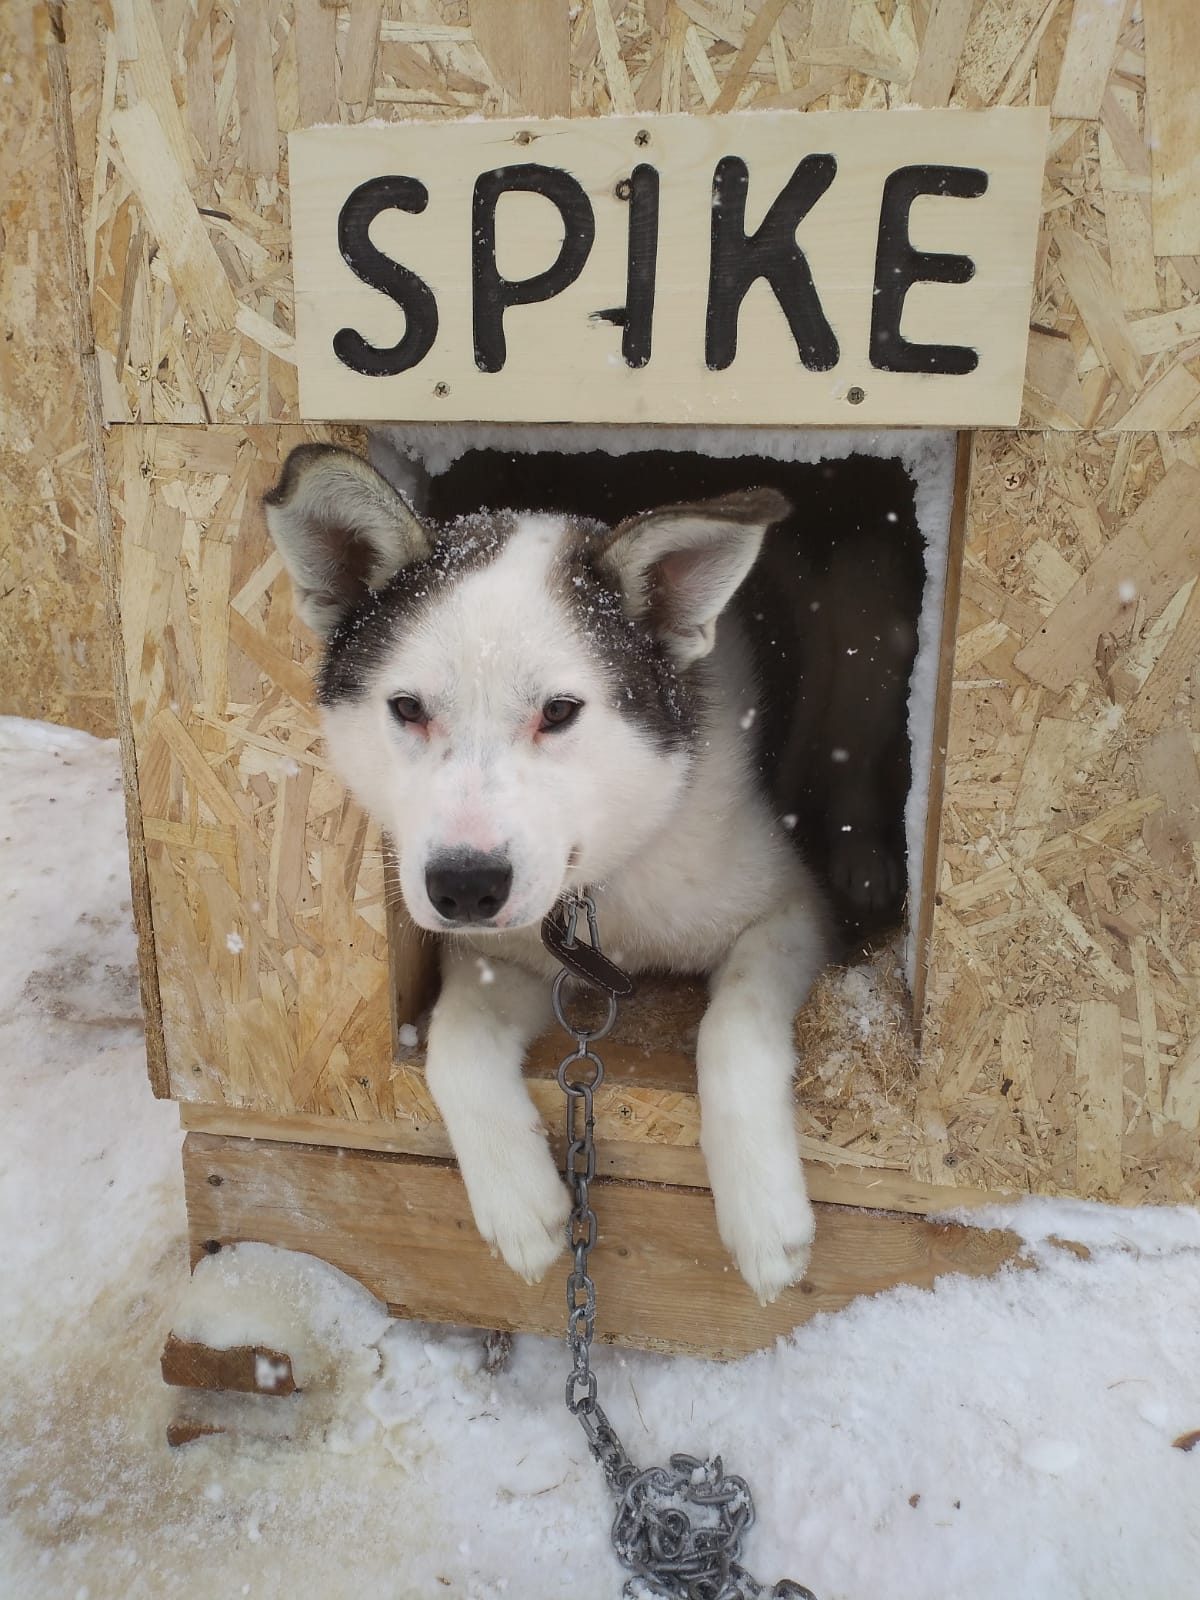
point(512, 697)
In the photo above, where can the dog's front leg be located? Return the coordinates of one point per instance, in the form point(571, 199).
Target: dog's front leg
point(745, 1059)
point(478, 1036)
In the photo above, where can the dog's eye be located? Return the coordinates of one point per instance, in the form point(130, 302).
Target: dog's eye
point(407, 708)
point(559, 713)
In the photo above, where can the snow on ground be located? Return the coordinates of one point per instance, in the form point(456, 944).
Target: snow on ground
point(987, 1440)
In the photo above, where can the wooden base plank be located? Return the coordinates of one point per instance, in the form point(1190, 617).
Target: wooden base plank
point(879, 1188)
point(401, 1226)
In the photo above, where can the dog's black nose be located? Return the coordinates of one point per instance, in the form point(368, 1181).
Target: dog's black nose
point(465, 887)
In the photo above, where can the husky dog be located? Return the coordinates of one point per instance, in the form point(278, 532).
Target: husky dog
point(531, 703)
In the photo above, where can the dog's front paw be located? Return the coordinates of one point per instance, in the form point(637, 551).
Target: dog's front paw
point(769, 1233)
point(523, 1215)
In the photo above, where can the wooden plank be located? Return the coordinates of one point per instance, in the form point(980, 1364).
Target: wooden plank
point(152, 74)
point(941, 48)
point(766, 381)
point(195, 268)
point(615, 72)
point(532, 61)
point(316, 61)
point(1173, 104)
point(242, 1368)
point(1182, 1104)
point(1157, 550)
point(616, 1157)
point(1087, 60)
point(256, 90)
point(402, 1227)
point(918, 953)
point(108, 552)
point(1089, 280)
point(1171, 673)
point(362, 52)
point(1099, 1082)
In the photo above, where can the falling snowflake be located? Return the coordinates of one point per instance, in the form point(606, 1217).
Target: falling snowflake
point(487, 973)
point(839, 755)
point(1127, 591)
point(234, 943)
point(747, 719)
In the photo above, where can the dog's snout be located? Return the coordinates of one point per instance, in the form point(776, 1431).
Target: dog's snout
point(468, 888)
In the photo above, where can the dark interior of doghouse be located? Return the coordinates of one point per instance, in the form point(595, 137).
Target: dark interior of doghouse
point(833, 602)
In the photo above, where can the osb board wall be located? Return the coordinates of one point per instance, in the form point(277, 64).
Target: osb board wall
point(1062, 1038)
point(1061, 1051)
point(266, 882)
point(55, 659)
point(187, 220)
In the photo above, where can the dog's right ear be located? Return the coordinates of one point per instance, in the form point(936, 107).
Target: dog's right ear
point(341, 529)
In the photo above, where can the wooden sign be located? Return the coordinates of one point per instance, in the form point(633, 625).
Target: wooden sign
point(766, 267)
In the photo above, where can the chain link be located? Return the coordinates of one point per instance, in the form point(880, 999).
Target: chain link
point(677, 1529)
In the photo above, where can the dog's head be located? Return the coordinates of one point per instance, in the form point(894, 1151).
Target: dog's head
point(510, 697)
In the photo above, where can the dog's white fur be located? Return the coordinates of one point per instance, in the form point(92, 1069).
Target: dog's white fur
point(690, 870)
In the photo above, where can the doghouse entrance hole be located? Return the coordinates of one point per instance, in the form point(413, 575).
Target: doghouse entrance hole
point(844, 608)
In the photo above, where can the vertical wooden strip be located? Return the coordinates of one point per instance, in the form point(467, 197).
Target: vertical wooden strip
point(1173, 99)
point(316, 61)
point(202, 96)
point(1183, 1095)
point(1087, 60)
point(72, 236)
point(215, 566)
point(532, 62)
point(1126, 207)
point(546, 62)
point(1147, 1011)
point(615, 72)
point(1099, 1084)
point(259, 144)
point(362, 52)
point(919, 943)
point(830, 30)
point(152, 74)
point(937, 65)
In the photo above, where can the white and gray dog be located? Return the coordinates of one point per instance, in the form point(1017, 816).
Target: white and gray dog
point(530, 703)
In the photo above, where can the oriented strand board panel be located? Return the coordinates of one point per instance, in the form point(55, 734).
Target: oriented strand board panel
point(1061, 1031)
point(402, 1227)
point(1067, 903)
point(626, 270)
point(186, 201)
point(1173, 91)
point(57, 662)
point(266, 882)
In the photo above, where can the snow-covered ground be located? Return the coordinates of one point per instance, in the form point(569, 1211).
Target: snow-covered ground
point(1013, 1437)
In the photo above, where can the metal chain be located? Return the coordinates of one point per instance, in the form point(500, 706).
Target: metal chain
point(678, 1529)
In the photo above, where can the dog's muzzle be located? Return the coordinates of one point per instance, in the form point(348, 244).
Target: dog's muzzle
point(464, 886)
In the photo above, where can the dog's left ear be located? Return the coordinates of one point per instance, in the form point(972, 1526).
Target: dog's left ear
point(680, 567)
point(341, 529)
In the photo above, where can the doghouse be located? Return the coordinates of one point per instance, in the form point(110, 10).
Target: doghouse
point(1054, 921)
